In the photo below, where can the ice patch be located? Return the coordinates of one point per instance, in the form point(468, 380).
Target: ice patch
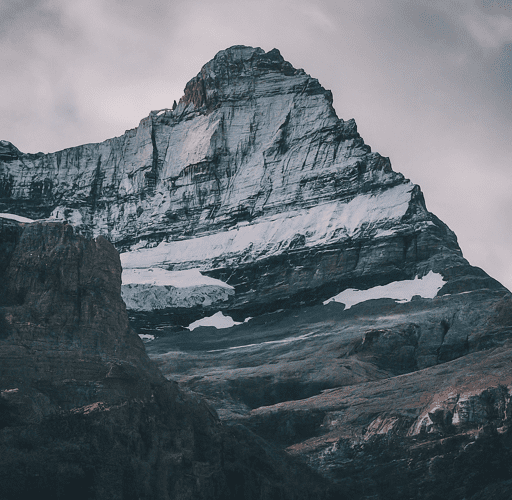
point(155, 288)
point(18, 218)
point(402, 291)
point(382, 233)
point(178, 279)
point(218, 320)
point(146, 336)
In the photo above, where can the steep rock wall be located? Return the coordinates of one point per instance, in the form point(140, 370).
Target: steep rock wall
point(251, 178)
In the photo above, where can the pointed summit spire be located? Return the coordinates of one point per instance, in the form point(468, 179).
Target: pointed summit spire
point(241, 72)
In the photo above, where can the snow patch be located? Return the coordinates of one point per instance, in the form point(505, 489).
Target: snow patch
point(382, 233)
point(178, 279)
point(146, 336)
point(18, 218)
point(402, 291)
point(218, 320)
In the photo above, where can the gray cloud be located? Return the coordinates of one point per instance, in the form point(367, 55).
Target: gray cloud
point(428, 83)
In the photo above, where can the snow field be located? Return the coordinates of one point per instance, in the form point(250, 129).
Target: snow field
point(268, 236)
point(402, 291)
point(18, 218)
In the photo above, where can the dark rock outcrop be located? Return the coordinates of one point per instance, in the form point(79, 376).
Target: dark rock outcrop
point(85, 414)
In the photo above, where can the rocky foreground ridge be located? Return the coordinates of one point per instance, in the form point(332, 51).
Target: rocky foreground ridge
point(84, 413)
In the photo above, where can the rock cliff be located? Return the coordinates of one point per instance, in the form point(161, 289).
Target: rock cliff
point(84, 413)
point(253, 180)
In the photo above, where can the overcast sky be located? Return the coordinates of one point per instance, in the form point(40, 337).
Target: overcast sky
point(429, 83)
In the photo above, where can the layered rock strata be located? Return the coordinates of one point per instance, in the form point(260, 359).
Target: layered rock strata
point(84, 413)
point(444, 432)
point(253, 180)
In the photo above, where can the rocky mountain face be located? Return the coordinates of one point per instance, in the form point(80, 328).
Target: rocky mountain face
point(346, 328)
point(253, 180)
point(85, 414)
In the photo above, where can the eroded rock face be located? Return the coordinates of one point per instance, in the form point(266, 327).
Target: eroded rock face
point(84, 413)
point(62, 305)
point(253, 179)
point(443, 432)
point(387, 400)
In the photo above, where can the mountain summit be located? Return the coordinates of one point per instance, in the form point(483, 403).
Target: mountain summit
point(253, 180)
point(242, 73)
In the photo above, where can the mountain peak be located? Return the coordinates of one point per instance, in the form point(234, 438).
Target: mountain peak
point(242, 72)
point(239, 60)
